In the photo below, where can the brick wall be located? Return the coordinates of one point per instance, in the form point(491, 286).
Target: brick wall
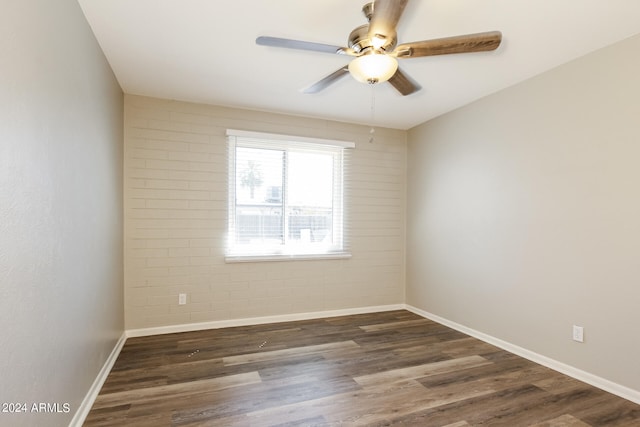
point(176, 220)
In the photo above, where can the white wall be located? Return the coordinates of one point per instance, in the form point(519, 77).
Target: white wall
point(176, 220)
point(524, 214)
point(61, 271)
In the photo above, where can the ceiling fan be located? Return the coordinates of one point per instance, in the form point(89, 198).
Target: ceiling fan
point(374, 46)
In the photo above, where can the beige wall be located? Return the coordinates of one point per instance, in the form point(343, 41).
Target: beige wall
point(61, 268)
point(175, 220)
point(524, 214)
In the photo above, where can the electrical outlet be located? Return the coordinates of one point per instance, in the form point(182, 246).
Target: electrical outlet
point(182, 299)
point(578, 333)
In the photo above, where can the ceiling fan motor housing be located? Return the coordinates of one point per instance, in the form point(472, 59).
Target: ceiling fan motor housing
point(360, 42)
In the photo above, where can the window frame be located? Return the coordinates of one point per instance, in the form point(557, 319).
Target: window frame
point(260, 140)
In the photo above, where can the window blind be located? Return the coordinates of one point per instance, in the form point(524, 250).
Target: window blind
point(287, 196)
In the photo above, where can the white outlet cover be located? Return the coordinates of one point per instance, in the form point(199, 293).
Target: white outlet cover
point(578, 333)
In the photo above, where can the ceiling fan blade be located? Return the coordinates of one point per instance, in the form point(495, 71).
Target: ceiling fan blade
point(403, 84)
point(386, 14)
point(478, 42)
point(327, 81)
point(301, 45)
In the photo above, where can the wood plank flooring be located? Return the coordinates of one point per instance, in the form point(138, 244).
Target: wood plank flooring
point(382, 369)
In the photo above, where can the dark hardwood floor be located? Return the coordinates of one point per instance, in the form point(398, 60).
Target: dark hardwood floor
point(386, 369)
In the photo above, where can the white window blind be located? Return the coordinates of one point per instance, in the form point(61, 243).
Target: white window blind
point(286, 197)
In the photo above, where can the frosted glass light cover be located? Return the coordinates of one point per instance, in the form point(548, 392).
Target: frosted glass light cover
point(373, 68)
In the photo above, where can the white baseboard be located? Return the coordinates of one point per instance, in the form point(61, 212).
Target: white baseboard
point(594, 380)
point(188, 327)
point(87, 402)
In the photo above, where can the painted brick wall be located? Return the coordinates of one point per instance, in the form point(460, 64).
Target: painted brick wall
point(176, 209)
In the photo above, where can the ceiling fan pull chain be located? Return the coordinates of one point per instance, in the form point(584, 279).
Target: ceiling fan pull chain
point(372, 131)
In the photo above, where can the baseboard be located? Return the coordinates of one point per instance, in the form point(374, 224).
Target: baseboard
point(188, 327)
point(87, 402)
point(594, 380)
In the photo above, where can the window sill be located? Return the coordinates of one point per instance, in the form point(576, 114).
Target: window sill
point(300, 257)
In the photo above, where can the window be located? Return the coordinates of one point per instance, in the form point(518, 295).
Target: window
point(286, 197)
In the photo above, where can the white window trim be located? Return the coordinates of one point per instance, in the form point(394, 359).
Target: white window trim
point(280, 137)
point(303, 257)
point(258, 257)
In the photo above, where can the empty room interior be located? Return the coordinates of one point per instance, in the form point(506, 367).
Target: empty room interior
point(212, 214)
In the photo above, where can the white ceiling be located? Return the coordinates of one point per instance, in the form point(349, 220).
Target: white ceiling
point(204, 51)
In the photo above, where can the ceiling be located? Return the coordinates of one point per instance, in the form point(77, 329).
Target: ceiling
point(204, 51)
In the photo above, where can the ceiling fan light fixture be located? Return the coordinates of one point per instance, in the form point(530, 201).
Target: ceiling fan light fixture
point(373, 67)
